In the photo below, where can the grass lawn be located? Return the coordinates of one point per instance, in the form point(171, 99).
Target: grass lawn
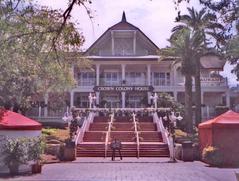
point(55, 133)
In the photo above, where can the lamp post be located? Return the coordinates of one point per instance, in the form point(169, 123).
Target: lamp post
point(92, 99)
point(67, 117)
point(154, 97)
point(172, 118)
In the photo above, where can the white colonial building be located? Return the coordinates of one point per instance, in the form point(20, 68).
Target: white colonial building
point(127, 69)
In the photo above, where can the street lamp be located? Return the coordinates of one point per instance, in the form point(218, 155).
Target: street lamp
point(171, 129)
point(67, 117)
point(92, 99)
point(154, 97)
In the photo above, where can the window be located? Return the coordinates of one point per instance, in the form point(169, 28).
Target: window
point(135, 78)
point(161, 78)
point(86, 78)
point(111, 78)
point(134, 101)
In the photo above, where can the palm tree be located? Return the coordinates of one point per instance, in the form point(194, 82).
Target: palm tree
point(185, 44)
point(232, 53)
point(205, 24)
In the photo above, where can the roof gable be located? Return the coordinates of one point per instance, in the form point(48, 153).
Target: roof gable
point(122, 35)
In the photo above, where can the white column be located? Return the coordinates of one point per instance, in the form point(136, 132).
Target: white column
point(46, 96)
point(228, 98)
point(123, 71)
point(113, 43)
point(175, 95)
point(149, 99)
point(39, 111)
point(123, 99)
point(134, 43)
point(202, 97)
point(148, 74)
point(208, 114)
point(174, 79)
point(97, 74)
point(97, 98)
point(149, 82)
point(72, 99)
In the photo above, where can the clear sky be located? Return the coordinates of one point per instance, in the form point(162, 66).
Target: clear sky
point(154, 17)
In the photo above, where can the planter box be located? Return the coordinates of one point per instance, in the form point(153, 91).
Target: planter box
point(36, 168)
point(187, 151)
point(69, 153)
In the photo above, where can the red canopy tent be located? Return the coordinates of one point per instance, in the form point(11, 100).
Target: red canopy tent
point(223, 133)
point(13, 121)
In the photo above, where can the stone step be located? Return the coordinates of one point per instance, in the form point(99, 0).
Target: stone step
point(128, 150)
point(123, 118)
point(120, 126)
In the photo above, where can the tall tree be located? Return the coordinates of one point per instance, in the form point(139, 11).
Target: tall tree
point(205, 24)
point(35, 51)
point(227, 12)
point(184, 44)
point(232, 52)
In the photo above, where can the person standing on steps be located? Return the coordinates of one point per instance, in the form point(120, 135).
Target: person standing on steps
point(116, 145)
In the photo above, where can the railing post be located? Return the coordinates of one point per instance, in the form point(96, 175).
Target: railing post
point(166, 136)
point(136, 133)
point(108, 133)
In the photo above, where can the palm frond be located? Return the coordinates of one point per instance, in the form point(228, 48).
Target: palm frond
point(178, 28)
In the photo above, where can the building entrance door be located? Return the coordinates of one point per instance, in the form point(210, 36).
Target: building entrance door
point(111, 101)
point(136, 100)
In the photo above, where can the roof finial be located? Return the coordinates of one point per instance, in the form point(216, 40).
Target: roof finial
point(123, 17)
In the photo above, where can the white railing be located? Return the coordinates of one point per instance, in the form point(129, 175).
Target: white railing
point(107, 137)
point(136, 81)
point(136, 133)
point(165, 134)
point(84, 128)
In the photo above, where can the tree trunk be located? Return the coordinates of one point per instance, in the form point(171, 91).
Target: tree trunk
point(198, 111)
point(188, 103)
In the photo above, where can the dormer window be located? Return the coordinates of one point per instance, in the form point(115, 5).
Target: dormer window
point(123, 42)
point(123, 46)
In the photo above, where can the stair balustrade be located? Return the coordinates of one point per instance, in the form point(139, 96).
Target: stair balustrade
point(167, 138)
point(84, 128)
point(136, 133)
point(108, 133)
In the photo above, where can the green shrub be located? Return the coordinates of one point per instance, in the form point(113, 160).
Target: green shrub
point(36, 148)
point(19, 151)
point(212, 156)
point(48, 131)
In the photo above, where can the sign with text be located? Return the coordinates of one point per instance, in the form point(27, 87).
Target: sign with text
point(123, 88)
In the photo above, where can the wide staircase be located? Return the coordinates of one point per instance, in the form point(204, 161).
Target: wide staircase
point(96, 141)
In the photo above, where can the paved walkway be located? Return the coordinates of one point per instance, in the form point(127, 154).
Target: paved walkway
point(131, 169)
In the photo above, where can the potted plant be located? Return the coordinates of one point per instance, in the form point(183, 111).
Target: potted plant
point(212, 156)
point(69, 150)
point(36, 148)
point(15, 153)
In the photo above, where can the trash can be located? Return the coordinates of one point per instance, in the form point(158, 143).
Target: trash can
point(187, 151)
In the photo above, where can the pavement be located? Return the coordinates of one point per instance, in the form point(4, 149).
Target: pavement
point(130, 169)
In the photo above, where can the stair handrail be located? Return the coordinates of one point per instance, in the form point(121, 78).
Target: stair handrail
point(167, 138)
point(108, 133)
point(84, 128)
point(136, 133)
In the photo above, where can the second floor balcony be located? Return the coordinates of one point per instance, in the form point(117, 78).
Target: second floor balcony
point(158, 79)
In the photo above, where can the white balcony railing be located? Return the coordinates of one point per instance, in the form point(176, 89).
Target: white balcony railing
point(86, 82)
point(136, 81)
point(131, 81)
point(208, 81)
